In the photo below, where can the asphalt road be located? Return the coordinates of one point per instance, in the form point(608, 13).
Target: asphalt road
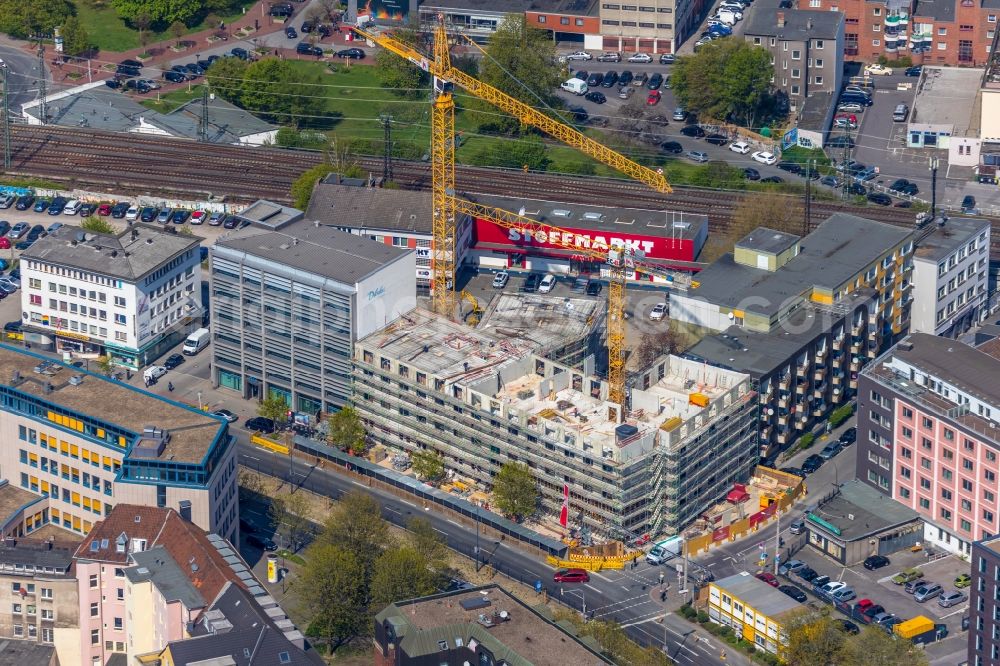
point(22, 76)
point(629, 597)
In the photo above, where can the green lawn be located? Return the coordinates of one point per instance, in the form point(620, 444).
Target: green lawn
point(169, 101)
point(110, 33)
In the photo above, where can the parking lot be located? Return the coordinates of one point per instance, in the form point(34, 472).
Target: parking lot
point(878, 586)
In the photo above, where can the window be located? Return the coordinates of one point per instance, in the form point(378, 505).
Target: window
point(942, 46)
point(945, 494)
point(15, 608)
point(907, 413)
point(987, 516)
point(965, 525)
point(795, 73)
point(907, 433)
point(563, 20)
point(541, 19)
point(95, 636)
point(819, 62)
point(991, 18)
point(819, 80)
point(46, 593)
point(942, 31)
point(966, 485)
point(796, 55)
point(819, 43)
point(94, 609)
point(795, 90)
point(121, 594)
point(93, 581)
point(945, 513)
point(876, 28)
point(925, 503)
point(18, 630)
point(47, 614)
point(119, 624)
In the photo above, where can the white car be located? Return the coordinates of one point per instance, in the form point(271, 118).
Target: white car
point(579, 55)
point(878, 69)
point(547, 283)
point(500, 280)
point(72, 207)
point(764, 157)
point(640, 57)
point(741, 147)
point(659, 312)
point(132, 214)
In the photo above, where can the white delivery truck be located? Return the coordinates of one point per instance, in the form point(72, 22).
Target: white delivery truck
point(665, 550)
point(196, 342)
point(575, 86)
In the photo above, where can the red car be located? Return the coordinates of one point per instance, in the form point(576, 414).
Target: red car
point(4, 243)
point(104, 209)
point(571, 576)
point(769, 579)
point(654, 98)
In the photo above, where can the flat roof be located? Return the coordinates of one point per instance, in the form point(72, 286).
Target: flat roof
point(156, 565)
point(841, 247)
point(548, 321)
point(800, 24)
point(946, 96)
point(521, 636)
point(993, 544)
point(754, 592)
point(39, 553)
point(939, 10)
point(814, 114)
point(967, 368)
point(270, 214)
point(577, 7)
point(351, 203)
point(13, 499)
point(444, 348)
point(15, 652)
point(318, 249)
point(767, 240)
point(130, 255)
point(859, 511)
point(949, 237)
point(192, 433)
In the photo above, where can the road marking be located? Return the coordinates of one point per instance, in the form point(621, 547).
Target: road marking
point(602, 577)
point(252, 458)
point(592, 587)
point(453, 523)
point(389, 508)
point(414, 506)
point(955, 612)
point(626, 588)
point(648, 619)
point(439, 531)
point(358, 483)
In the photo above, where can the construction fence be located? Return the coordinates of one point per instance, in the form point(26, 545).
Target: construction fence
point(746, 526)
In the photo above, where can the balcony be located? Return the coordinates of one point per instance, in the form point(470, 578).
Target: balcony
point(838, 344)
point(800, 389)
point(820, 374)
point(801, 370)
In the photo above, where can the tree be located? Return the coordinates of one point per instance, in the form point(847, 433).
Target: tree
point(159, 11)
point(330, 9)
point(771, 210)
point(813, 640)
point(428, 465)
point(98, 225)
point(24, 18)
point(225, 78)
point(75, 38)
point(655, 344)
point(279, 90)
point(274, 407)
point(874, 647)
point(177, 29)
point(727, 79)
point(429, 543)
point(303, 186)
point(333, 592)
point(400, 573)
point(515, 491)
point(521, 61)
point(104, 365)
point(398, 74)
point(527, 152)
point(356, 524)
point(291, 515)
point(345, 431)
point(142, 22)
point(250, 485)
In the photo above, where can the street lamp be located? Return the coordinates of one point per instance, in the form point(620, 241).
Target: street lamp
point(583, 598)
point(933, 164)
point(200, 407)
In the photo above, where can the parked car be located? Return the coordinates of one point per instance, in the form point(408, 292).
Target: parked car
point(830, 450)
point(658, 312)
point(791, 565)
point(849, 436)
point(579, 55)
point(697, 155)
point(969, 205)
point(547, 283)
point(198, 217)
point(876, 562)
point(904, 186)
point(610, 56)
point(806, 573)
point(154, 372)
point(610, 79)
point(501, 279)
point(225, 414)
point(531, 283)
point(798, 526)
point(625, 92)
point(764, 157)
point(595, 80)
point(179, 216)
point(667, 59)
point(625, 78)
point(769, 578)
point(164, 216)
point(741, 147)
point(216, 219)
point(640, 79)
point(349, 54)
point(913, 71)
point(148, 214)
point(790, 167)
point(907, 575)
point(596, 97)
point(812, 463)
point(953, 598)
point(880, 199)
point(876, 68)
point(772, 179)
point(655, 81)
point(173, 361)
point(291, 33)
point(926, 592)
point(672, 147)
point(594, 288)
point(693, 131)
point(653, 98)
point(263, 543)
point(794, 593)
point(751, 174)
point(640, 57)
point(18, 230)
point(844, 594)
point(827, 589)
point(911, 585)
point(86, 209)
point(964, 580)
point(260, 424)
point(174, 77)
point(571, 576)
point(850, 107)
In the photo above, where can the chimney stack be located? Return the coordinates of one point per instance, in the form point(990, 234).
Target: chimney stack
point(781, 19)
point(809, 24)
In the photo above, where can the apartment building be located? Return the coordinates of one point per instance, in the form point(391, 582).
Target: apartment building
point(480, 401)
point(287, 306)
point(131, 296)
point(81, 443)
point(927, 414)
point(756, 612)
point(806, 49)
point(487, 625)
point(931, 32)
point(802, 316)
point(984, 603)
point(950, 277)
point(38, 594)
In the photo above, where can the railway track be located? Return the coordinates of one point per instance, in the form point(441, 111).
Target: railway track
point(162, 166)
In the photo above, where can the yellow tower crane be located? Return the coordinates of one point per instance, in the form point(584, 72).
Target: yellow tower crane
point(446, 205)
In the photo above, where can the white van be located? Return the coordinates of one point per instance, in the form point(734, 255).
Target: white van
point(575, 86)
point(196, 342)
point(72, 207)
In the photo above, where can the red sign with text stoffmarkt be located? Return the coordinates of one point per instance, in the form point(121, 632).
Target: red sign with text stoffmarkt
point(600, 240)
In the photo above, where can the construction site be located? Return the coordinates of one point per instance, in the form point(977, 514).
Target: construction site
point(480, 400)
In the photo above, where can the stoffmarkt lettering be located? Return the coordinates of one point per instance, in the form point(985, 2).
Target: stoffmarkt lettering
point(572, 239)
